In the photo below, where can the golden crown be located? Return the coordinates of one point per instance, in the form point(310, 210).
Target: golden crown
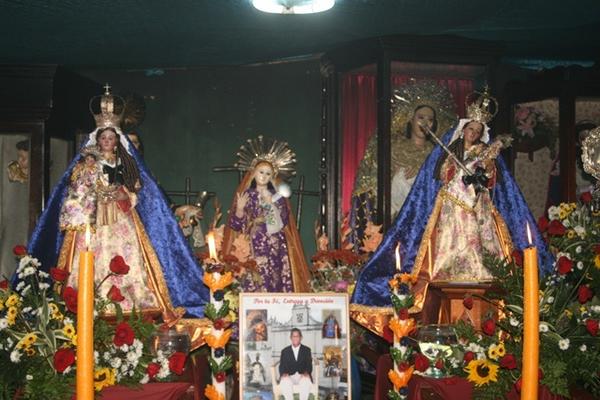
point(107, 109)
point(276, 153)
point(483, 108)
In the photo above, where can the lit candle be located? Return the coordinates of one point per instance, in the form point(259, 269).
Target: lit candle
point(398, 259)
point(212, 248)
point(531, 339)
point(85, 323)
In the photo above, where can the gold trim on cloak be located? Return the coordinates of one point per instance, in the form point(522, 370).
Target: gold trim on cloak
point(196, 327)
point(377, 318)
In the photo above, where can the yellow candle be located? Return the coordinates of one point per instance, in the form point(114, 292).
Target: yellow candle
point(212, 248)
point(398, 260)
point(85, 324)
point(531, 335)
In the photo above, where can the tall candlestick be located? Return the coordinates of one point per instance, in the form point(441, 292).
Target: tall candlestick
point(531, 316)
point(85, 323)
point(212, 248)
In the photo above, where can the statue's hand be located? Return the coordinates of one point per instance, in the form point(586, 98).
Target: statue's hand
point(242, 200)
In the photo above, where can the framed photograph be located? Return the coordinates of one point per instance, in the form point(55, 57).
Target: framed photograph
point(294, 346)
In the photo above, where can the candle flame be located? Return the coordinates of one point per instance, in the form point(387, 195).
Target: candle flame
point(398, 261)
point(212, 248)
point(88, 236)
point(529, 234)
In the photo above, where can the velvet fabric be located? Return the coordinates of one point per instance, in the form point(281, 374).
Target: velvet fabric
point(181, 271)
point(372, 286)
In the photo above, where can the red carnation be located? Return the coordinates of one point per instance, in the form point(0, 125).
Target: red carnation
point(403, 314)
point(584, 294)
point(439, 364)
point(4, 284)
point(220, 376)
point(517, 257)
point(152, 370)
point(543, 223)
point(586, 197)
point(70, 298)
point(469, 356)
point(468, 302)
point(19, 250)
point(218, 324)
point(508, 361)
point(421, 363)
point(118, 266)
point(489, 327)
point(592, 326)
point(114, 294)
point(556, 228)
point(63, 359)
point(59, 274)
point(177, 362)
point(564, 265)
point(123, 335)
point(403, 366)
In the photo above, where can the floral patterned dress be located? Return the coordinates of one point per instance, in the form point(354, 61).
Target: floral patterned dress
point(264, 223)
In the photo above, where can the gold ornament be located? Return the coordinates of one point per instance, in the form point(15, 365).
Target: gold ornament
point(276, 153)
point(483, 108)
point(109, 111)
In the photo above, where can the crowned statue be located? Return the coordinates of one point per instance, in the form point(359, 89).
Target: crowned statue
point(262, 214)
point(415, 104)
point(108, 188)
point(464, 204)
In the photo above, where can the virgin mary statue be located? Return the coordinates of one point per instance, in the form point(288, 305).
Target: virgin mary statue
point(464, 204)
point(108, 188)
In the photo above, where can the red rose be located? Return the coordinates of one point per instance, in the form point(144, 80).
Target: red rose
point(218, 324)
point(592, 326)
point(564, 265)
point(586, 197)
point(439, 364)
point(469, 356)
point(421, 362)
point(584, 294)
point(114, 294)
point(508, 361)
point(543, 223)
point(597, 248)
point(177, 362)
point(70, 298)
point(518, 385)
point(152, 370)
point(468, 302)
point(63, 359)
point(58, 274)
point(403, 314)
point(220, 376)
point(4, 284)
point(403, 366)
point(19, 250)
point(118, 266)
point(123, 335)
point(517, 257)
point(556, 228)
point(489, 327)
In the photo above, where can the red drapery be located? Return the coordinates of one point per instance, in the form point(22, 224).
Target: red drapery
point(359, 118)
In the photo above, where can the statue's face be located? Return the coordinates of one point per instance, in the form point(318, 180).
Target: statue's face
point(472, 132)
point(23, 159)
point(107, 141)
point(424, 116)
point(263, 174)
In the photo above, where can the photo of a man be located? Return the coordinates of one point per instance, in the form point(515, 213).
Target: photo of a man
point(295, 367)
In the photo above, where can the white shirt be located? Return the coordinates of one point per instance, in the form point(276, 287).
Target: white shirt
point(296, 350)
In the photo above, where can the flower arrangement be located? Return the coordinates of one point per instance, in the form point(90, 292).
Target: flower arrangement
point(38, 339)
point(569, 314)
point(533, 129)
point(335, 270)
point(402, 325)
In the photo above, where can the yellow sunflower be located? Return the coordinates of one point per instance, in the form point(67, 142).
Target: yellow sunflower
point(482, 372)
point(69, 330)
point(12, 300)
point(571, 234)
point(104, 377)
point(29, 339)
point(597, 261)
point(493, 352)
point(30, 351)
point(501, 350)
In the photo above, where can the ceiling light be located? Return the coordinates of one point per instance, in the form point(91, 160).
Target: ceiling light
point(293, 6)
